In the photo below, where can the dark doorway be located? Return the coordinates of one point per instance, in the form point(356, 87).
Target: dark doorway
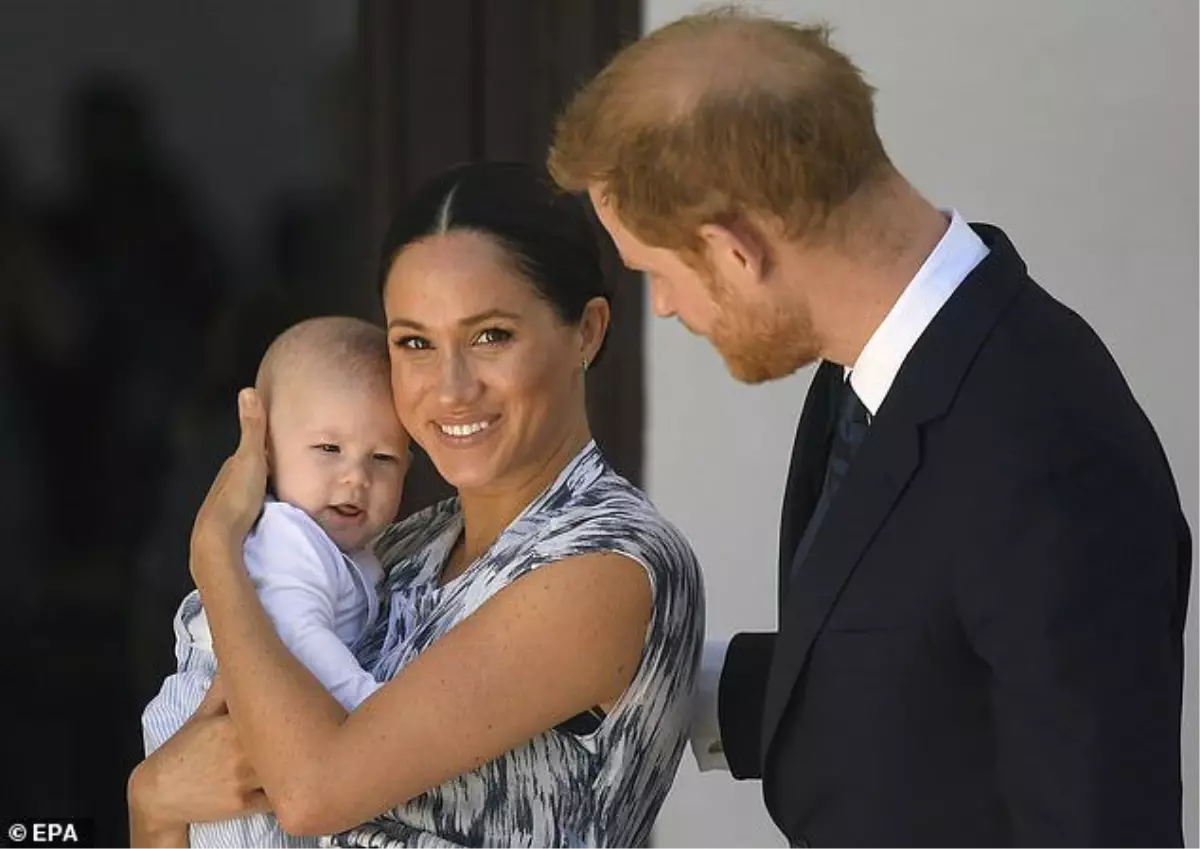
point(457, 80)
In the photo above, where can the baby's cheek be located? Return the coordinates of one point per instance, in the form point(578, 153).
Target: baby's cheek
point(306, 491)
point(391, 494)
point(284, 485)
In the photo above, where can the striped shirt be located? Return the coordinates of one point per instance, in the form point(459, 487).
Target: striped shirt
point(319, 599)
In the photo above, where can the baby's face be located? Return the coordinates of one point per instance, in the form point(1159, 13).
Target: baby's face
point(340, 455)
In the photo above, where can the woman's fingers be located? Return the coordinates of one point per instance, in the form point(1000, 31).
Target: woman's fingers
point(253, 443)
point(201, 774)
point(236, 496)
point(221, 752)
point(245, 473)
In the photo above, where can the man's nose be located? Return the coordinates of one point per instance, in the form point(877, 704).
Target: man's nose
point(660, 301)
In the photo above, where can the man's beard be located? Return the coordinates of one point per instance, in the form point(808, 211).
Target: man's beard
point(758, 343)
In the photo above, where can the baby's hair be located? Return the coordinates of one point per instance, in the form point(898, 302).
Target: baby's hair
point(349, 350)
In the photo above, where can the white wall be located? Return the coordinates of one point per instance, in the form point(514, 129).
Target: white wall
point(1071, 124)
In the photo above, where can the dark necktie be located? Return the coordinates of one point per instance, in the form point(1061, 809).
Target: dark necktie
point(849, 431)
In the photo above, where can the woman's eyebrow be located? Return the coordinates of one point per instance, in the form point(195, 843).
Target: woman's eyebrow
point(486, 315)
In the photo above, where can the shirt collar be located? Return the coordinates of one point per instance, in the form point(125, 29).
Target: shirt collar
point(956, 255)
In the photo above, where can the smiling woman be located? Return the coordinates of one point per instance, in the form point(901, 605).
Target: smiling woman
point(541, 631)
point(496, 305)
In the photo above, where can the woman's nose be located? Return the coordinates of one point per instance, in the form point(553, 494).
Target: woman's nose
point(457, 383)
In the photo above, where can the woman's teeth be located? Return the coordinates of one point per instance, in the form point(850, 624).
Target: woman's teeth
point(464, 429)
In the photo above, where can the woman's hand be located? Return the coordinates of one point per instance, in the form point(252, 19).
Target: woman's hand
point(199, 775)
point(235, 498)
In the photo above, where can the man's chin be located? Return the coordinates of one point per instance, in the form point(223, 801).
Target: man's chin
point(753, 370)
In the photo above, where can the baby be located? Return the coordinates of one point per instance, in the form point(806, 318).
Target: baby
point(337, 457)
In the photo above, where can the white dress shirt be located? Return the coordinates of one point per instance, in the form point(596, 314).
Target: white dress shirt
point(954, 257)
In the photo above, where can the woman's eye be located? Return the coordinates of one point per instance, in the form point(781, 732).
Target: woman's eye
point(328, 448)
point(493, 336)
point(413, 343)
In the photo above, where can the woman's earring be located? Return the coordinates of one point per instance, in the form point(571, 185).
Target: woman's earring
point(585, 365)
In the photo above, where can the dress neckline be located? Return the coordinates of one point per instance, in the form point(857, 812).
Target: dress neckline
point(579, 472)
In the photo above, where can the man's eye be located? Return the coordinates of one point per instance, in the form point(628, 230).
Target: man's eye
point(493, 336)
point(328, 448)
point(413, 343)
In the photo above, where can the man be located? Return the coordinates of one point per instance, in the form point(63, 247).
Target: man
point(983, 564)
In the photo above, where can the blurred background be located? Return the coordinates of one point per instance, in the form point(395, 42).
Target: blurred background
point(181, 181)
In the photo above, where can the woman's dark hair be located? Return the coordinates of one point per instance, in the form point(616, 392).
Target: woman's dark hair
point(546, 231)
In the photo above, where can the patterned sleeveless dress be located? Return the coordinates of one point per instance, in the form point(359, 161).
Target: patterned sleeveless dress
point(597, 787)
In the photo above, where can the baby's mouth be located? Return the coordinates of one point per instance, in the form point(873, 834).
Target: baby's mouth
point(347, 511)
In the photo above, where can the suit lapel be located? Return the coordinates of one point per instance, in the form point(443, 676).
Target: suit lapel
point(807, 470)
point(889, 457)
point(884, 465)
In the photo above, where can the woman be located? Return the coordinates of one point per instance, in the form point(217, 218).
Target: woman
point(544, 626)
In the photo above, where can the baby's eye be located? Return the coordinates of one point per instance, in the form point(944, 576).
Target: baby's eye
point(386, 458)
point(327, 448)
point(493, 336)
point(412, 343)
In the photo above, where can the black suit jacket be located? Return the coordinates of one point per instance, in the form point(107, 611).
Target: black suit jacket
point(984, 645)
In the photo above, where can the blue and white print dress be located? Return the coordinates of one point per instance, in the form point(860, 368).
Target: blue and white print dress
point(601, 787)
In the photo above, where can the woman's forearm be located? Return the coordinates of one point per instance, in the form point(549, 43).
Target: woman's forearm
point(284, 717)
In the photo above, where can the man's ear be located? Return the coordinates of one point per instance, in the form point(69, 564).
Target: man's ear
point(739, 251)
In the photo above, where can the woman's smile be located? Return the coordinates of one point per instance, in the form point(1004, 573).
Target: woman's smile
point(468, 432)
